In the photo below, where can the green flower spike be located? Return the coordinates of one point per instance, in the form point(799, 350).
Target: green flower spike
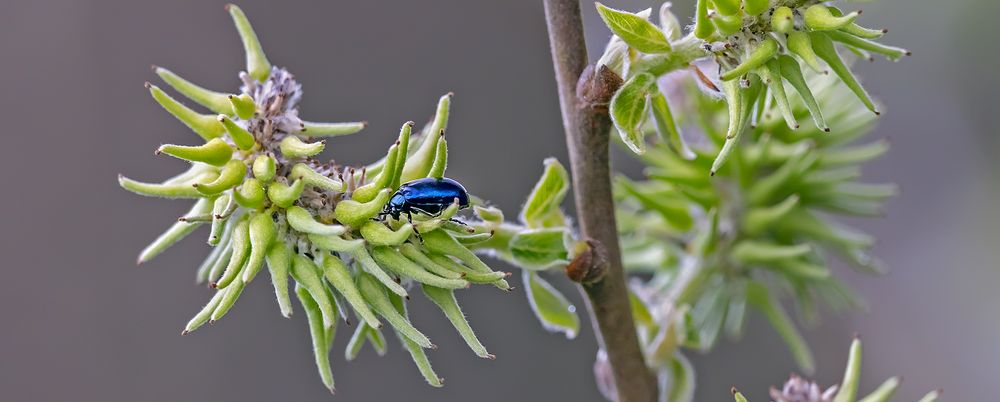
point(760, 230)
point(750, 41)
point(270, 203)
point(798, 389)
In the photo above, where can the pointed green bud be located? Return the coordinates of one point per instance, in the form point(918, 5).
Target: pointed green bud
point(490, 215)
point(313, 178)
point(727, 7)
point(738, 395)
point(775, 84)
point(337, 274)
point(242, 106)
point(220, 206)
point(440, 160)
point(204, 314)
point(790, 71)
point(757, 252)
point(782, 20)
point(437, 221)
point(825, 50)
point(375, 294)
point(931, 396)
point(264, 168)
point(284, 195)
point(293, 147)
point(890, 52)
point(175, 233)
point(538, 249)
point(226, 244)
point(257, 65)
point(862, 32)
point(819, 18)
point(760, 297)
point(376, 233)
point(318, 332)
point(553, 310)
point(307, 274)
point(356, 342)
point(416, 350)
point(739, 102)
point(302, 221)
point(418, 164)
point(445, 300)
point(217, 102)
point(439, 241)
point(355, 214)
point(279, 265)
point(761, 54)
point(702, 26)
point(205, 125)
point(215, 152)
point(755, 7)
point(884, 392)
point(368, 191)
point(335, 242)
point(312, 129)
point(474, 238)
point(241, 250)
point(241, 137)
point(416, 255)
point(374, 271)
point(389, 258)
point(759, 219)
point(474, 276)
point(799, 43)
point(852, 374)
point(262, 236)
point(231, 175)
point(854, 155)
point(178, 190)
point(250, 194)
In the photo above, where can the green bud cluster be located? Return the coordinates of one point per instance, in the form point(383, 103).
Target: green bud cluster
point(269, 202)
point(798, 389)
point(758, 46)
point(759, 230)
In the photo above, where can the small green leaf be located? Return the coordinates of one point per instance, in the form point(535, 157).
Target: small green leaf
point(636, 31)
point(883, 392)
point(538, 249)
point(682, 379)
point(551, 307)
point(628, 110)
point(548, 194)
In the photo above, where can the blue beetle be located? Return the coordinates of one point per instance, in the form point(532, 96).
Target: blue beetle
point(429, 196)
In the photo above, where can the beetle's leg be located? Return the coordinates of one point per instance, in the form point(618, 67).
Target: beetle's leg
point(459, 222)
point(416, 232)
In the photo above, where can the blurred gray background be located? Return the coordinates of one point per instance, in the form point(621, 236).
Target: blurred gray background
point(80, 322)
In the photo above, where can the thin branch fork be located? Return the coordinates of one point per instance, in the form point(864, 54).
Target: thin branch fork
point(584, 93)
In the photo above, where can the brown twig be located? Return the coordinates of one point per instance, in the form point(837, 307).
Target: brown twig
point(587, 125)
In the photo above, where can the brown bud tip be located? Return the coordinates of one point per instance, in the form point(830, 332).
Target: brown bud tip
point(147, 84)
point(595, 88)
point(590, 265)
point(885, 30)
point(213, 285)
point(856, 336)
point(827, 129)
point(433, 346)
point(154, 67)
point(491, 356)
point(878, 113)
point(449, 94)
point(227, 6)
point(711, 173)
point(185, 332)
point(734, 390)
point(410, 123)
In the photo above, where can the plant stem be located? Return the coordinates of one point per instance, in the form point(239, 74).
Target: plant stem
point(587, 128)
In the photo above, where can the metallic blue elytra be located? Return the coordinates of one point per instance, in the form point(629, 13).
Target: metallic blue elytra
point(429, 196)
